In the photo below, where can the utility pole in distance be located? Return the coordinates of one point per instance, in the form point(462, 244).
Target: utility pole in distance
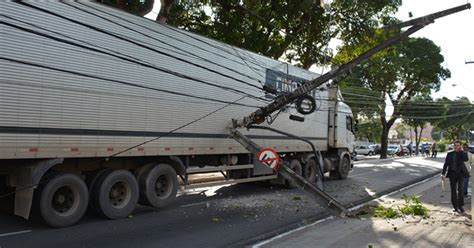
point(472, 178)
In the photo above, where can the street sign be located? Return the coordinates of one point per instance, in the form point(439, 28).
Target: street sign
point(269, 157)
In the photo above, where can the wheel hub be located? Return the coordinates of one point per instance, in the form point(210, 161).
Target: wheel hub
point(64, 200)
point(162, 186)
point(119, 194)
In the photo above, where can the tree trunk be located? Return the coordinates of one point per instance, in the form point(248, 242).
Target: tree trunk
point(164, 11)
point(384, 141)
point(416, 139)
point(386, 125)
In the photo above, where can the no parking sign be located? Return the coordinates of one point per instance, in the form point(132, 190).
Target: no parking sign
point(269, 157)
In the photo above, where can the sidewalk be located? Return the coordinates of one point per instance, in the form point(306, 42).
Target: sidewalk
point(443, 228)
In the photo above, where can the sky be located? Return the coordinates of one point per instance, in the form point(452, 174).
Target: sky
point(454, 34)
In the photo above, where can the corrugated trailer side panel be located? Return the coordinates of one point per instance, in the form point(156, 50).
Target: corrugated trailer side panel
point(72, 101)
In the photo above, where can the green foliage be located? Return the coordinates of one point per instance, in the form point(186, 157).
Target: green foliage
point(441, 147)
point(296, 198)
point(401, 73)
point(256, 25)
point(136, 7)
point(420, 111)
point(459, 118)
point(382, 212)
point(413, 206)
point(369, 128)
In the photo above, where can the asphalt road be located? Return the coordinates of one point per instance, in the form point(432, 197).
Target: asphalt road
point(235, 215)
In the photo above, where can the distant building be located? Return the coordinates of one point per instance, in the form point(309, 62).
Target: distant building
point(408, 134)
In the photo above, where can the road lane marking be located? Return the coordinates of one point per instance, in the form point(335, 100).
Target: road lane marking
point(14, 233)
point(379, 180)
point(195, 204)
point(363, 173)
point(290, 232)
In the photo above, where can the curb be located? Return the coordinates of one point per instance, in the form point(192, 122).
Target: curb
point(318, 217)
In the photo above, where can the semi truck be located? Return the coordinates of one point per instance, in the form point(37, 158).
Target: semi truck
point(101, 110)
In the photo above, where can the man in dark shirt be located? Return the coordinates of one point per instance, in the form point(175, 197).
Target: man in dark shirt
point(455, 170)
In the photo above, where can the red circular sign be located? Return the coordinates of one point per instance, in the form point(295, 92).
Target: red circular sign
point(269, 157)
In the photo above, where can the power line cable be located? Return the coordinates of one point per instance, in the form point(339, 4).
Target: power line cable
point(164, 42)
point(133, 60)
point(138, 145)
point(127, 39)
point(117, 81)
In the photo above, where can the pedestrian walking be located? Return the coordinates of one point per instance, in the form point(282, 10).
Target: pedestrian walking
point(409, 149)
point(428, 149)
point(455, 169)
point(469, 163)
point(434, 149)
point(423, 150)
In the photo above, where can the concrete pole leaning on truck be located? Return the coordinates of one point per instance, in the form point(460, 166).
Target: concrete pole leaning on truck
point(258, 116)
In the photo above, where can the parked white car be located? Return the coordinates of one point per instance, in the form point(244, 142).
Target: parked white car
point(392, 149)
point(364, 150)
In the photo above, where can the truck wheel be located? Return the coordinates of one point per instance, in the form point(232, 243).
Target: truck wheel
point(295, 165)
point(311, 171)
point(92, 178)
point(115, 194)
point(158, 186)
point(62, 199)
point(343, 171)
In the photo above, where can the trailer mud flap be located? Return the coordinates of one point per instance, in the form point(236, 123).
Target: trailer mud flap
point(25, 179)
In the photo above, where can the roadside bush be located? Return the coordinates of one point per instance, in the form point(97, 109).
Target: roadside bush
point(382, 212)
point(441, 147)
point(413, 206)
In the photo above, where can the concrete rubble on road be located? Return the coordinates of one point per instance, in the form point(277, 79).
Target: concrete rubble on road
point(442, 228)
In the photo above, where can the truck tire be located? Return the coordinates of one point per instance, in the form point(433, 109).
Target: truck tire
point(158, 186)
point(313, 173)
point(311, 170)
point(343, 170)
point(62, 199)
point(115, 194)
point(92, 178)
point(295, 165)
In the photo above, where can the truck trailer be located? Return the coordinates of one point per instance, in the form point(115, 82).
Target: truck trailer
point(101, 110)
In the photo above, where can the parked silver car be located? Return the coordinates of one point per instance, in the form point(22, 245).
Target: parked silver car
point(364, 150)
point(392, 149)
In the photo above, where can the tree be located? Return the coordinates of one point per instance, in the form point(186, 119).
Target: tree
point(136, 7)
point(369, 128)
point(459, 118)
point(297, 31)
point(165, 10)
point(399, 73)
point(420, 111)
point(400, 129)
